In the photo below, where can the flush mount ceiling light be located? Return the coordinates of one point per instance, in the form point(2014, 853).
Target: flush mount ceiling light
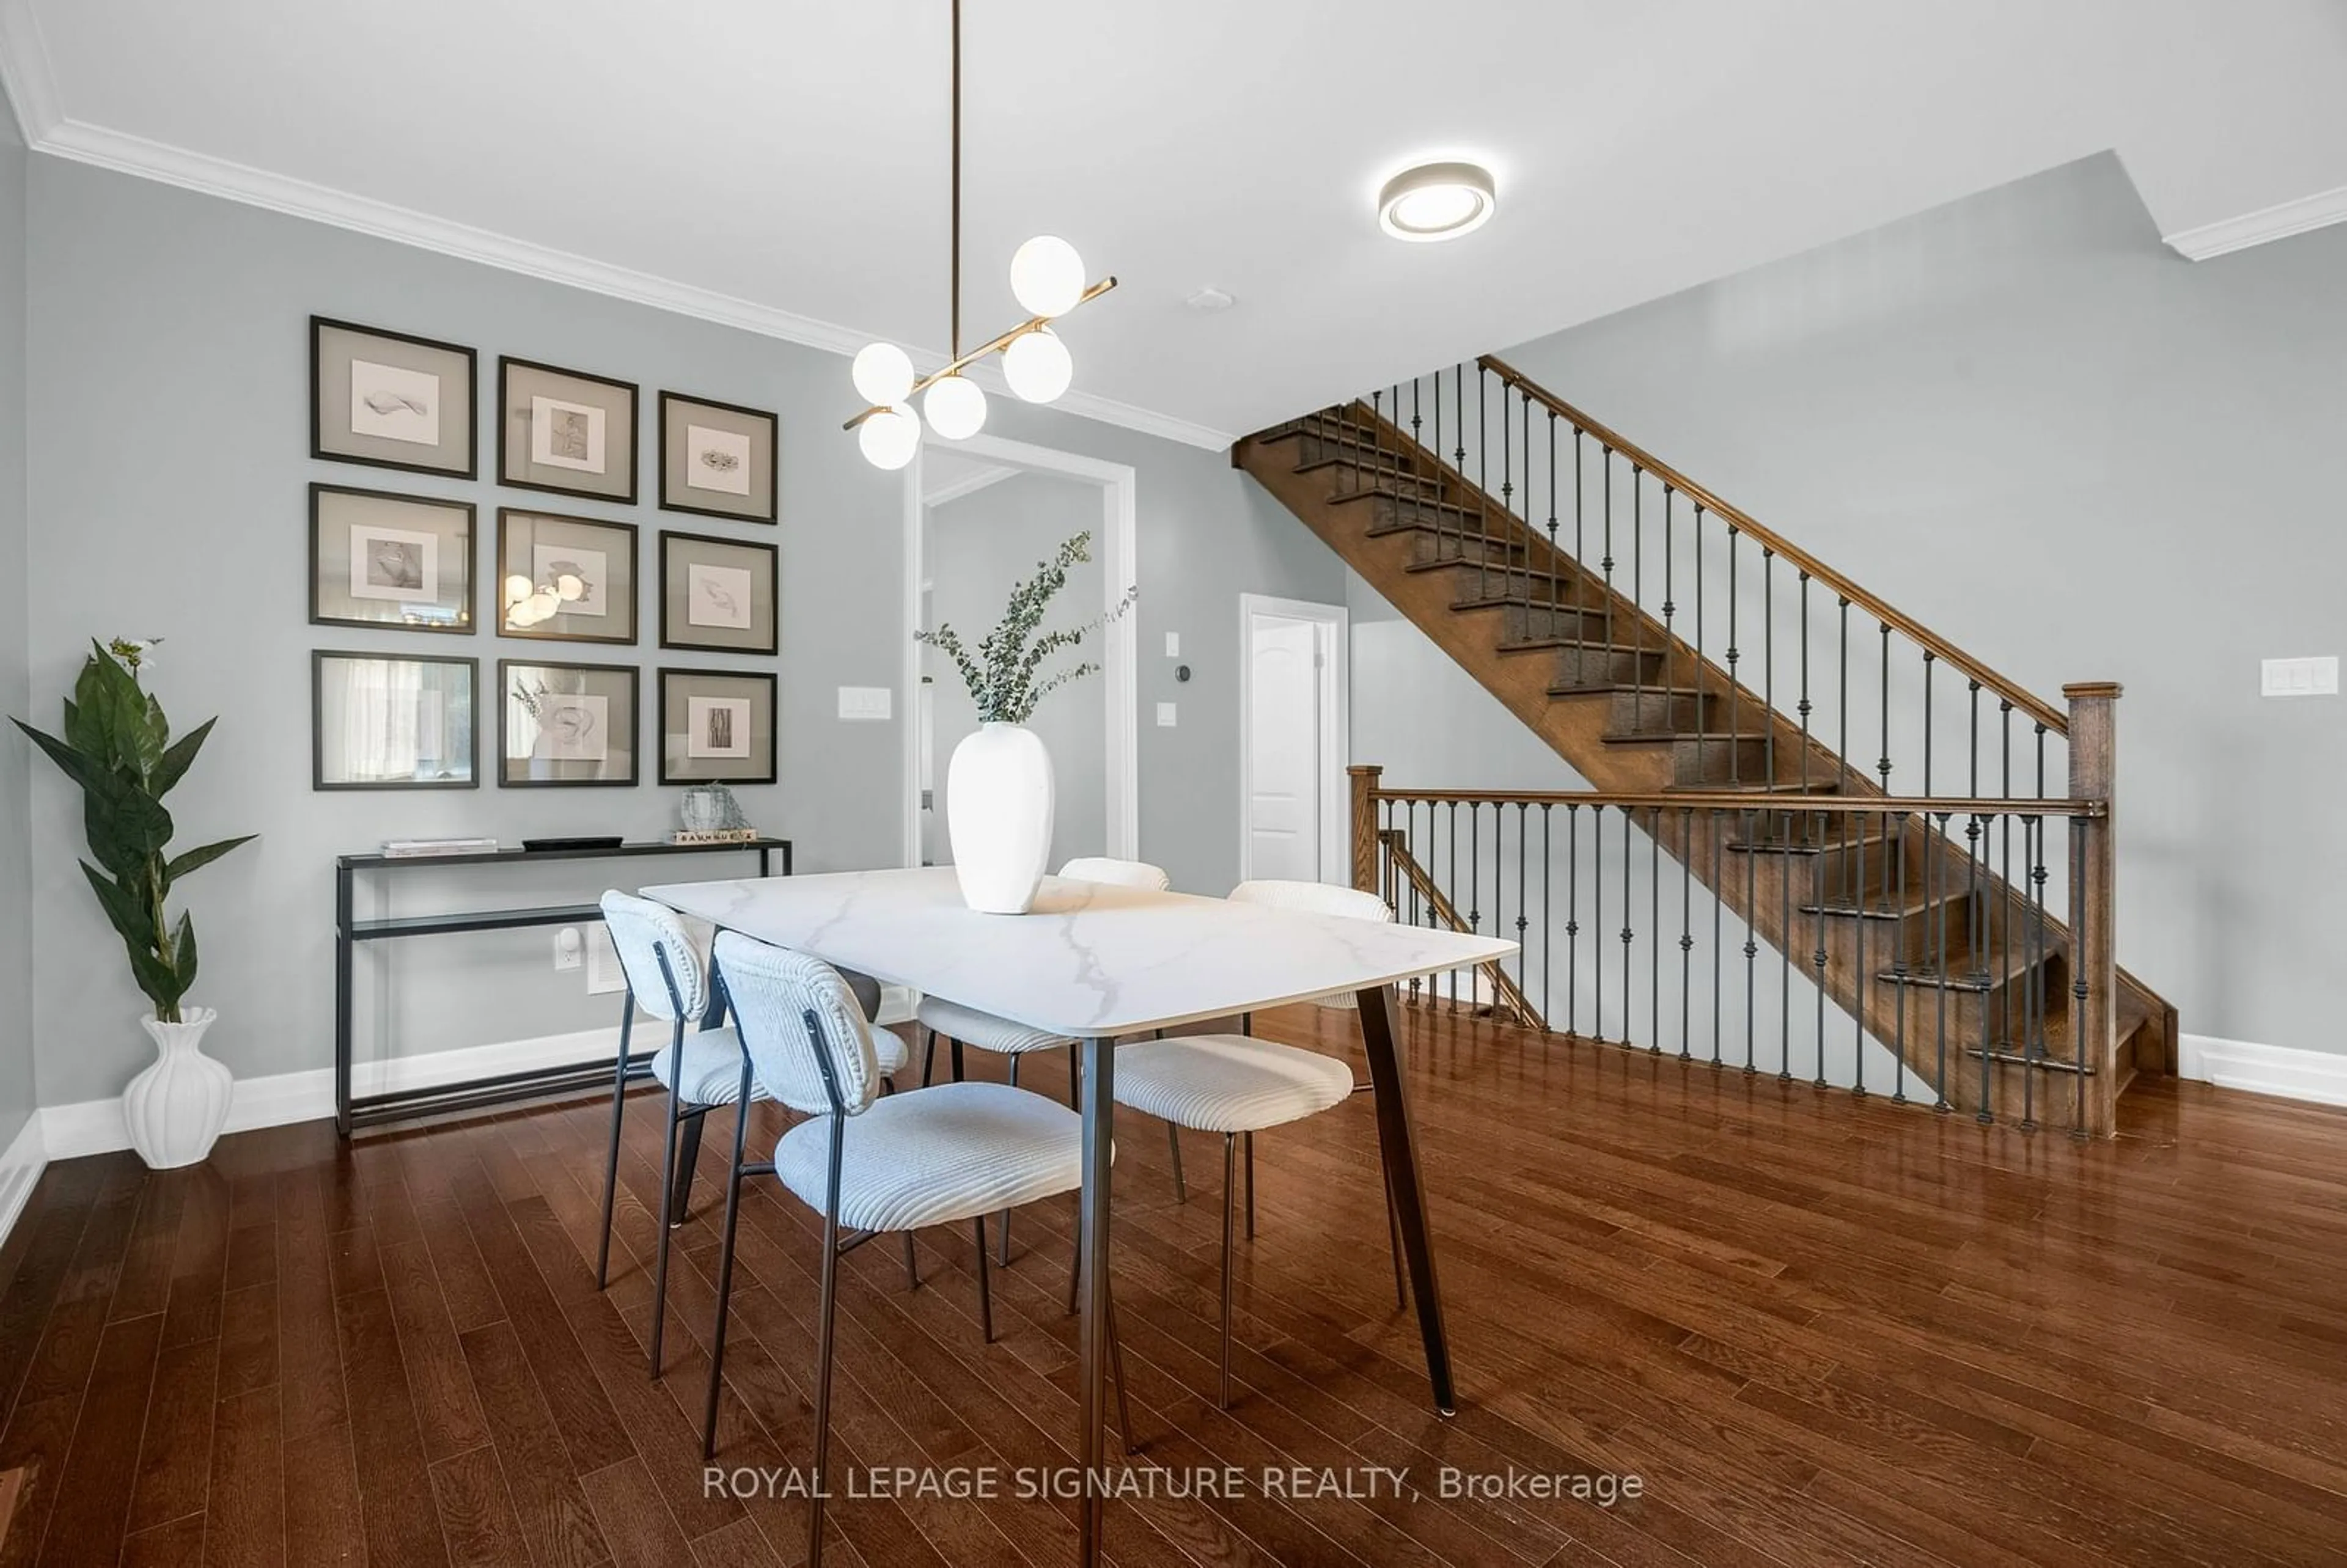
point(1437, 202)
point(1047, 277)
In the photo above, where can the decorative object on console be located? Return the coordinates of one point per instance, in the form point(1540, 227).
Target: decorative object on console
point(717, 725)
point(1000, 792)
point(404, 721)
point(391, 401)
point(717, 459)
point(422, 849)
point(395, 562)
point(566, 724)
point(566, 431)
point(1047, 277)
point(117, 747)
point(718, 594)
point(712, 815)
point(564, 579)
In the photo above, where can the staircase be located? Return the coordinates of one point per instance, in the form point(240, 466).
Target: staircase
point(1570, 595)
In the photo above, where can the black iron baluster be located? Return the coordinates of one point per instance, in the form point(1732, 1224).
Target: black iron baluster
point(1899, 960)
point(1655, 930)
point(1841, 744)
point(1939, 973)
point(1524, 903)
point(1629, 933)
point(1606, 471)
point(1785, 964)
point(1572, 920)
point(1975, 864)
point(1769, 675)
point(1735, 772)
point(1882, 765)
point(1597, 913)
point(2033, 916)
point(1554, 566)
point(1687, 930)
point(2005, 868)
point(1451, 882)
point(1857, 1038)
point(1638, 591)
point(1718, 909)
point(1702, 692)
point(1548, 935)
point(1751, 913)
point(2079, 827)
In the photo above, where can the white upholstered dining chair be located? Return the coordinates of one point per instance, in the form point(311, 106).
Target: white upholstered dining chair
point(869, 1163)
point(961, 1026)
point(700, 1067)
point(1238, 1085)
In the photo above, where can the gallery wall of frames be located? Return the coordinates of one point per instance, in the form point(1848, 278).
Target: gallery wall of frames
point(541, 558)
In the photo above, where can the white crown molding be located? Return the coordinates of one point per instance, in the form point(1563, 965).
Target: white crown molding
point(967, 485)
point(83, 143)
point(25, 71)
point(2294, 1073)
point(2315, 211)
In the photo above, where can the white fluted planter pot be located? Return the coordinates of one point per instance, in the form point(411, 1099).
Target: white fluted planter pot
point(176, 1108)
point(999, 796)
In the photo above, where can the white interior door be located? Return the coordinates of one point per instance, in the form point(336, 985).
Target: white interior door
point(1294, 751)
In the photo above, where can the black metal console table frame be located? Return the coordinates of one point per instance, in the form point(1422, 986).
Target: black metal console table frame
point(366, 1110)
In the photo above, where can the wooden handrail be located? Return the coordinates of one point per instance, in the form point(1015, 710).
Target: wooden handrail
point(1761, 803)
point(2036, 707)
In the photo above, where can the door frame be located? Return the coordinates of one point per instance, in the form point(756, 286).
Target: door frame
point(1334, 643)
point(1119, 659)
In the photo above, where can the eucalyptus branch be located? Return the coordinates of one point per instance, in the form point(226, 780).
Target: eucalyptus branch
point(1001, 675)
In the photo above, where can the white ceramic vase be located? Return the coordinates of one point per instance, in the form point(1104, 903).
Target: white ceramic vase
point(176, 1108)
point(999, 801)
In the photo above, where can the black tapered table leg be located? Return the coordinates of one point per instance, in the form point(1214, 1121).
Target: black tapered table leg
point(1093, 1234)
point(1398, 1149)
point(688, 1154)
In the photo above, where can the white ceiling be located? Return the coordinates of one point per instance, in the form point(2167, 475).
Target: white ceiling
point(782, 163)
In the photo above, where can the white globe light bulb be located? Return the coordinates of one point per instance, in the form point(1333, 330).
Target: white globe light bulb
point(545, 604)
point(890, 439)
point(518, 588)
point(1037, 365)
point(520, 612)
point(883, 375)
point(569, 587)
point(1046, 276)
point(955, 407)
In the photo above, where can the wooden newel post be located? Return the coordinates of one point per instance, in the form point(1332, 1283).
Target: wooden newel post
point(2094, 768)
point(1364, 834)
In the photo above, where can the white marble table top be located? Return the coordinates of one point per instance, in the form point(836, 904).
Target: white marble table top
point(1090, 959)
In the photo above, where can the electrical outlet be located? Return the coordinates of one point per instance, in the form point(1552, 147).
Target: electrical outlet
point(2301, 677)
point(569, 948)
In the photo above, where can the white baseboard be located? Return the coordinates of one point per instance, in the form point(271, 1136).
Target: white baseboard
point(96, 1126)
point(2319, 1076)
point(21, 1166)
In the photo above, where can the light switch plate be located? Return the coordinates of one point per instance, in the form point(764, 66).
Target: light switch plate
point(1164, 715)
point(2301, 677)
point(1173, 645)
point(866, 702)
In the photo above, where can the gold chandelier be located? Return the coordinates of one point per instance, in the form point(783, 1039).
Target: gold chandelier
point(1047, 277)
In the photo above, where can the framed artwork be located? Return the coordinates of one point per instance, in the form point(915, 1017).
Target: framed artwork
point(399, 562)
point(566, 724)
point(390, 400)
point(393, 721)
point(566, 431)
point(717, 594)
point(564, 579)
point(717, 459)
point(716, 724)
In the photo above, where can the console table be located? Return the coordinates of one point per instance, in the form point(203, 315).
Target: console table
point(358, 1110)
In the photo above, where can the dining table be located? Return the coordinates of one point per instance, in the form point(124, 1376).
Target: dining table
point(1095, 963)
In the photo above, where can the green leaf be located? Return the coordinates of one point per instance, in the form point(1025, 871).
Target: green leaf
point(158, 980)
point(195, 860)
point(88, 771)
point(183, 957)
point(132, 919)
point(174, 762)
point(127, 829)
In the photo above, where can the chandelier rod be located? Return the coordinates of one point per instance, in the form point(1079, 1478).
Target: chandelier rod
point(957, 179)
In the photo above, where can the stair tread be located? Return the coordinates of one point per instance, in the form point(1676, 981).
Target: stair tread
point(1962, 970)
point(1401, 497)
point(1634, 737)
point(1757, 787)
point(1455, 564)
point(1918, 905)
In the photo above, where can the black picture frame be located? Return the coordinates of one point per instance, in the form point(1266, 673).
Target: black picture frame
point(320, 490)
point(677, 496)
point(320, 325)
point(318, 657)
point(634, 725)
point(505, 515)
point(765, 678)
point(506, 366)
point(679, 639)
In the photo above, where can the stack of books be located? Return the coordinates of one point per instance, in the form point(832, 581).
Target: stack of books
point(410, 848)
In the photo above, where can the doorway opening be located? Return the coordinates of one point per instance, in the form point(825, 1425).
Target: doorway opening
point(978, 514)
point(1292, 742)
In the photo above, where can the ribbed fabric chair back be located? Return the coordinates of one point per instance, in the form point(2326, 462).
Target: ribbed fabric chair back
point(1121, 873)
point(640, 931)
point(1313, 897)
point(773, 990)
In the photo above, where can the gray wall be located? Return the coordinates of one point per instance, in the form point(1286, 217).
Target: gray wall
point(16, 1098)
point(2028, 424)
point(168, 347)
point(979, 546)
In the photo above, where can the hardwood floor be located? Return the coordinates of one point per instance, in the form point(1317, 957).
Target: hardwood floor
point(1816, 1329)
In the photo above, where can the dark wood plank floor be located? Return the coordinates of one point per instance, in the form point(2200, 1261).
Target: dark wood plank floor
point(1814, 1329)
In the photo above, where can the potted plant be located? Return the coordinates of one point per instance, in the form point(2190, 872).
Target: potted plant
point(999, 786)
point(117, 747)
